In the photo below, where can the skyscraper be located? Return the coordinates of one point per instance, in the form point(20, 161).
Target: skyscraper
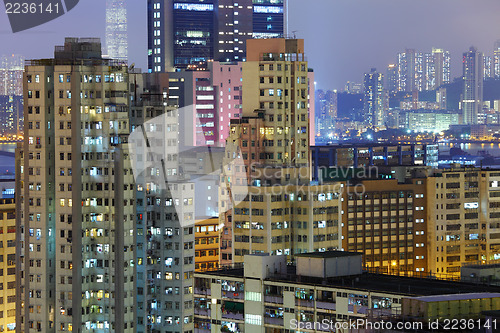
point(116, 29)
point(473, 72)
point(374, 98)
point(406, 70)
point(488, 67)
point(441, 60)
point(75, 195)
point(392, 78)
point(187, 34)
point(496, 59)
point(423, 71)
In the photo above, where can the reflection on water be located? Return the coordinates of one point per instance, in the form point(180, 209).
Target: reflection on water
point(472, 148)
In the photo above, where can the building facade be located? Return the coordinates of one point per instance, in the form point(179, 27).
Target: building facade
point(116, 29)
point(472, 103)
point(187, 34)
point(73, 173)
point(374, 98)
point(8, 275)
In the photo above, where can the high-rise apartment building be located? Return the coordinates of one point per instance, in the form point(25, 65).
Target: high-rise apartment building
point(423, 71)
point(11, 75)
point(373, 101)
point(282, 214)
point(75, 195)
point(116, 29)
point(463, 218)
point(496, 58)
point(187, 34)
point(472, 103)
point(165, 209)
point(441, 66)
point(392, 78)
point(488, 67)
point(8, 264)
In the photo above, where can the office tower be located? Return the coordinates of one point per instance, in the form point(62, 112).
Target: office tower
point(472, 103)
point(269, 18)
point(385, 222)
point(441, 60)
point(392, 78)
point(487, 67)
point(75, 195)
point(496, 59)
point(116, 29)
point(187, 34)
point(234, 25)
point(374, 98)
point(8, 263)
point(180, 34)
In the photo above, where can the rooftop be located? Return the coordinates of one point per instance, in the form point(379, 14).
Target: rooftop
point(329, 254)
point(411, 286)
point(456, 297)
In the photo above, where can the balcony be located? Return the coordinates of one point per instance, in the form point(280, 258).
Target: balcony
point(273, 321)
point(232, 315)
point(325, 305)
point(273, 299)
point(202, 312)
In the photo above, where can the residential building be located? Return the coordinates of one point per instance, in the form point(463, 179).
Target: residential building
point(75, 195)
point(165, 208)
point(423, 71)
point(464, 225)
point(374, 98)
point(272, 141)
point(11, 75)
point(215, 95)
point(326, 292)
point(441, 64)
point(472, 103)
point(206, 244)
point(116, 29)
point(8, 264)
point(391, 82)
point(496, 59)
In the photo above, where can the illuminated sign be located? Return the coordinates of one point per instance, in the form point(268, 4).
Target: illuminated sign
point(268, 9)
point(471, 205)
point(194, 6)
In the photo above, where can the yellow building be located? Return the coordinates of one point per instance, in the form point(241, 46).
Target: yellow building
point(206, 244)
point(463, 207)
point(7, 265)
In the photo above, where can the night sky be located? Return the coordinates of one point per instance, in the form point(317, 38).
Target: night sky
point(344, 38)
